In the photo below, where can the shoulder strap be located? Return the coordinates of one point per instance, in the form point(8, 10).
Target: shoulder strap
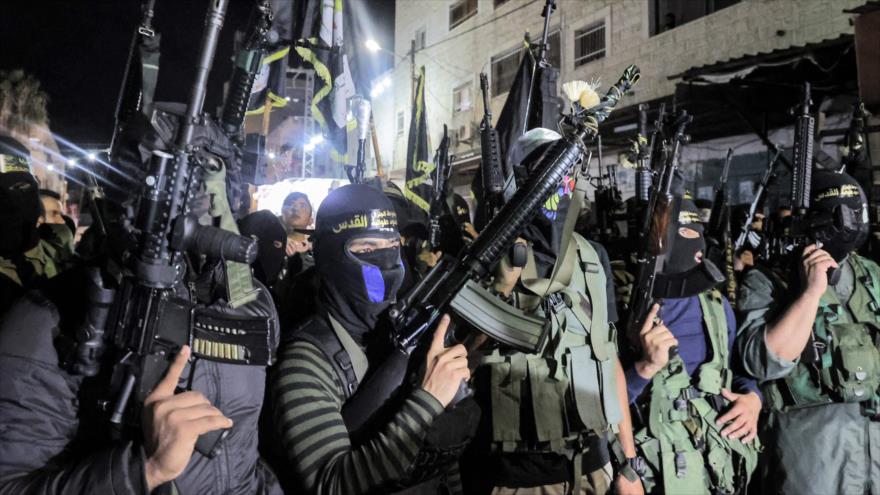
point(714, 375)
point(318, 332)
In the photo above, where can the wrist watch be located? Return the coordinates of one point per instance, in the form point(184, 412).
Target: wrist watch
point(633, 469)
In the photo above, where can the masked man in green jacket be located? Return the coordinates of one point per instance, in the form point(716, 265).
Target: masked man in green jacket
point(810, 335)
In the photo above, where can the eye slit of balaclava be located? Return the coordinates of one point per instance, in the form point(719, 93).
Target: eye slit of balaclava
point(373, 264)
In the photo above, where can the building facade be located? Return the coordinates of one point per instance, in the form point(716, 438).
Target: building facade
point(456, 40)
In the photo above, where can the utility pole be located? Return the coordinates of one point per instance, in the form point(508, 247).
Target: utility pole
point(412, 69)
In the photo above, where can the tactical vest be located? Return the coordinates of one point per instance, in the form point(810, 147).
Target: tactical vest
point(681, 444)
point(569, 385)
point(845, 366)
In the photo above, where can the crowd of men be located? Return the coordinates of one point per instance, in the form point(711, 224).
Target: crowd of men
point(775, 393)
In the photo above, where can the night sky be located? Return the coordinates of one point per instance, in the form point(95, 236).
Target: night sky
point(78, 49)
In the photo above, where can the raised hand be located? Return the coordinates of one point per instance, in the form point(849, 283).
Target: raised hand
point(172, 424)
point(446, 367)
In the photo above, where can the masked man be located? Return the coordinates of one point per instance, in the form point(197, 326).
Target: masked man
point(547, 414)
point(357, 258)
point(23, 259)
point(56, 435)
point(813, 345)
point(696, 417)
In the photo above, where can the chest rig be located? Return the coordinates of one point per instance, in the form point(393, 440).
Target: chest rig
point(550, 400)
point(681, 444)
point(842, 362)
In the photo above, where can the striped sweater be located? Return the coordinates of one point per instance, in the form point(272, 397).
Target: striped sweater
point(308, 398)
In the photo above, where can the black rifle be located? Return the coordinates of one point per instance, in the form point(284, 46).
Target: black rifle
point(360, 107)
point(607, 196)
point(490, 167)
point(417, 312)
point(718, 229)
point(657, 217)
point(141, 71)
point(541, 62)
point(760, 194)
point(259, 36)
point(148, 319)
point(644, 152)
point(442, 172)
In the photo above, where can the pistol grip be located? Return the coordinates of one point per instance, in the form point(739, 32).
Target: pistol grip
point(210, 444)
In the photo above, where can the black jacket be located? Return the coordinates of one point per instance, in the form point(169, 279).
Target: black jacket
point(47, 445)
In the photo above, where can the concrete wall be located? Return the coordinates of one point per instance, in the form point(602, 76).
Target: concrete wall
point(456, 56)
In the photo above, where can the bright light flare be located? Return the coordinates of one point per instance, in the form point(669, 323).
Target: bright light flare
point(372, 45)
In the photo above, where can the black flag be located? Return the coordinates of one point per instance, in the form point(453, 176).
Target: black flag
point(419, 168)
point(513, 121)
point(321, 46)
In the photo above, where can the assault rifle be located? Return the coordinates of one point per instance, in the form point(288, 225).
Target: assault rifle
point(657, 217)
point(490, 167)
point(802, 228)
point(141, 71)
point(361, 109)
point(442, 171)
point(719, 249)
point(607, 196)
point(644, 151)
point(543, 48)
point(760, 194)
point(453, 279)
point(259, 37)
point(718, 230)
point(147, 316)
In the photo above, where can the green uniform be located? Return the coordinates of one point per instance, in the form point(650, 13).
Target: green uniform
point(557, 405)
point(308, 397)
point(17, 278)
point(680, 440)
point(820, 432)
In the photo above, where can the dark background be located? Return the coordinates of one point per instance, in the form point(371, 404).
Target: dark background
point(78, 49)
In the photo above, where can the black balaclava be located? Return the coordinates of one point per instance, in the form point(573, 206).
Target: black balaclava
point(544, 233)
point(685, 271)
point(356, 288)
point(271, 241)
point(20, 205)
point(683, 252)
point(838, 215)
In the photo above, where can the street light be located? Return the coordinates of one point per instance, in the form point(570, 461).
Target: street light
point(271, 155)
point(71, 162)
point(372, 45)
point(380, 87)
point(92, 157)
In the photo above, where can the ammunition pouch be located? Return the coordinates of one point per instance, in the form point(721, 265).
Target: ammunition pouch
point(565, 389)
point(231, 338)
point(682, 446)
point(842, 362)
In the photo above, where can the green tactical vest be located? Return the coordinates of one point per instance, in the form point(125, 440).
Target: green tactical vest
point(681, 444)
point(847, 339)
point(570, 383)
